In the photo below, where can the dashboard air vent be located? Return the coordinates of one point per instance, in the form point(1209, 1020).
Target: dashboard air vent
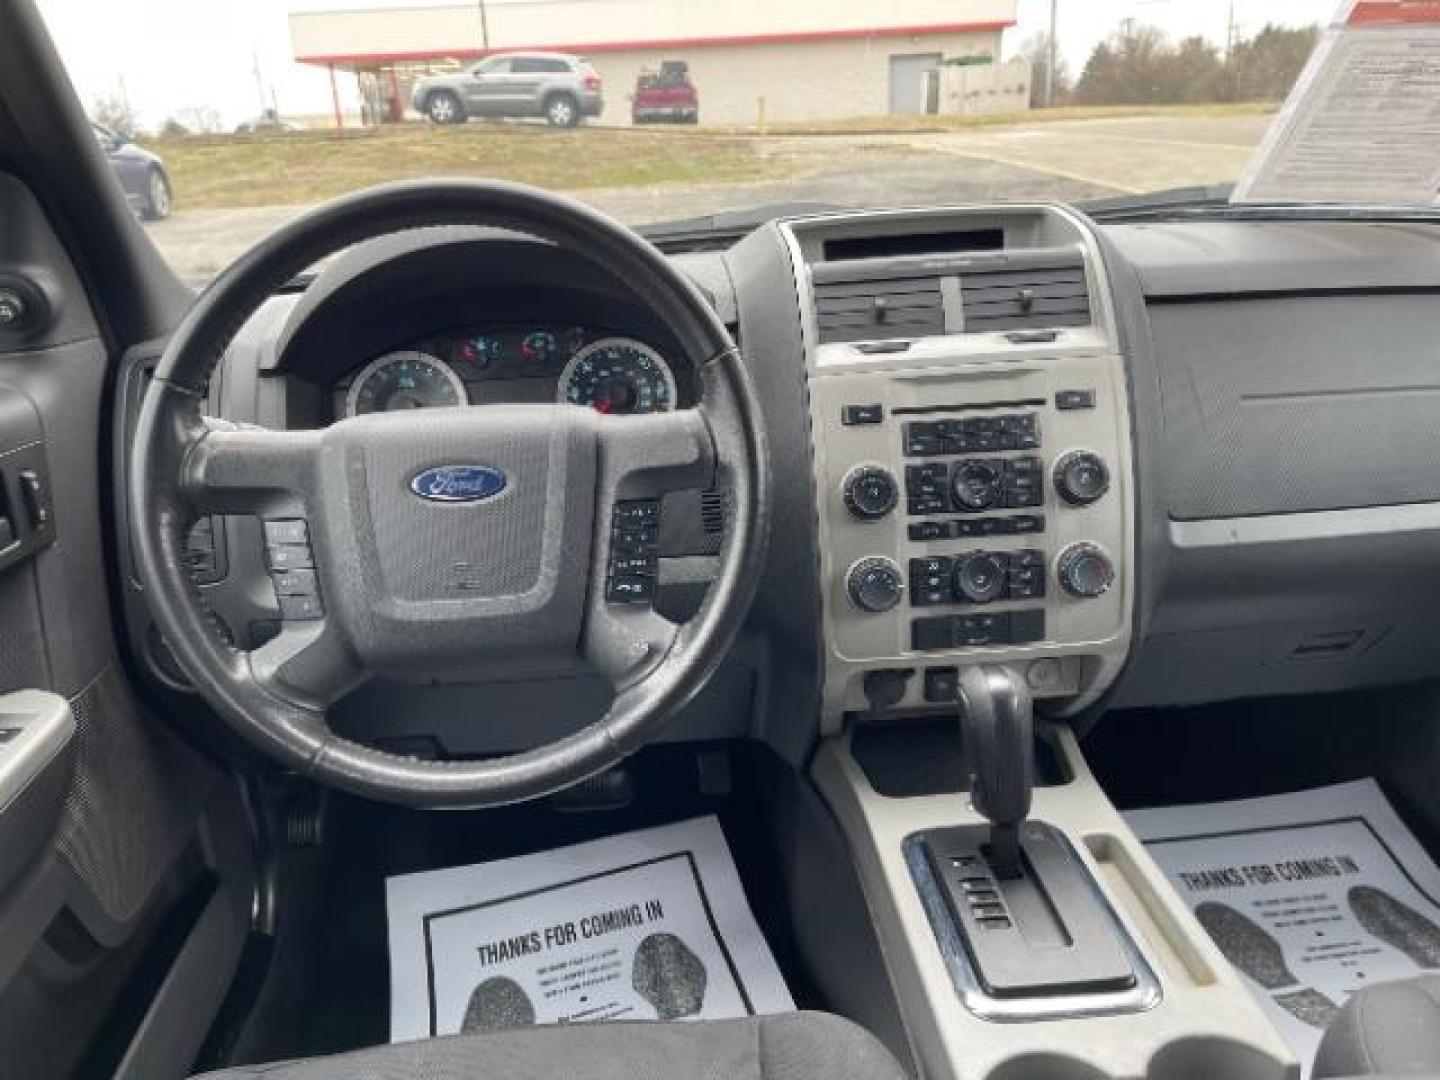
point(897, 307)
point(1047, 294)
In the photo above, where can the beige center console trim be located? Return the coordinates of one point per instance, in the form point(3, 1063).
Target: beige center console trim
point(932, 351)
point(1205, 1024)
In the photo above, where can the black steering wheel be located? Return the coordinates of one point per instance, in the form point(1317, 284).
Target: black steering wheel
point(448, 543)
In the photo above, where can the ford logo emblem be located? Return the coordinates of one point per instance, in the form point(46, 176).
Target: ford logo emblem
point(458, 483)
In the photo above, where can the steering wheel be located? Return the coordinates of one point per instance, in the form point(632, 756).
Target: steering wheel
point(449, 543)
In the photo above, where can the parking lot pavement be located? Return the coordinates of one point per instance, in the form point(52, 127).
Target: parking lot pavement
point(1068, 160)
point(1130, 155)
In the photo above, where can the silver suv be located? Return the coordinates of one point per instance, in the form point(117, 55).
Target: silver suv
point(561, 88)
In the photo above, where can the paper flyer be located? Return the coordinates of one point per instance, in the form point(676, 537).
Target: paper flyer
point(1360, 126)
point(651, 925)
point(1311, 896)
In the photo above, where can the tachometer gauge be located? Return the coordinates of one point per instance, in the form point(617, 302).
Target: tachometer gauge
point(618, 375)
point(404, 380)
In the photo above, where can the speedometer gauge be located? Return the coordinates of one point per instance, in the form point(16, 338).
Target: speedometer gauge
point(618, 375)
point(404, 380)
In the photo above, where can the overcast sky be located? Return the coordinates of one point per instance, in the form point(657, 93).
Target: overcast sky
point(171, 55)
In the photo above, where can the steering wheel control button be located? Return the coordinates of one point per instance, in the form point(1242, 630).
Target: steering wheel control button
point(301, 608)
point(287, 531)
point(289, 557)
point(857, 415)
point(1071, 400)
point(1081, 477)
point(631, 589)
point(294, 583)
point(977, 485)
point(637, 512)
point(942, 684)
point(292, 569)
point(1085, 571)
point(870, 493)
point(634, 551)
point(980, 578)
point(875, 584)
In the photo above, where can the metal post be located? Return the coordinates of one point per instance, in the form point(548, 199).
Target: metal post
point(1050, 59)
point(484, 28)
point(335, 98)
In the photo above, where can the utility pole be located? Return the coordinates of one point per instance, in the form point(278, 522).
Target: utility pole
point(1232, 73)
point(484, 28)
point(259, 81)
point(1050, 59)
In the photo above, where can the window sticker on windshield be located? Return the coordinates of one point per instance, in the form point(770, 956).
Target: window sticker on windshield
point(1367, 95)
point(646, 926)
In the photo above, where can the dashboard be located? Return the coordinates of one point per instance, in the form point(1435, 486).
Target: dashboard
point(483, 365)
point(1140, 463)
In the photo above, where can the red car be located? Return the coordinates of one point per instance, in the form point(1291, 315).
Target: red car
point(665, 97)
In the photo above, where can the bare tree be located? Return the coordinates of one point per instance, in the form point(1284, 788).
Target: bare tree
point(1036, 50)
point(201, 119)
point(114, 112)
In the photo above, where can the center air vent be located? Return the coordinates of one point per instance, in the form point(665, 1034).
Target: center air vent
point(897, 307)
point(1047, 294)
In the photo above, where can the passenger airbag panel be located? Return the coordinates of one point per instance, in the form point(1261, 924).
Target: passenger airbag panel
point(1282, 405)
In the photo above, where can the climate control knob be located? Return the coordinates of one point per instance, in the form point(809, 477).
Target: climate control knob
point(980, 578)
point(977, 485)
point(875, 584)
point(1085, 571)
point(870, 492)
point(1081, 477)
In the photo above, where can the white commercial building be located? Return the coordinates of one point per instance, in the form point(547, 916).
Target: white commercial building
point(795, 59)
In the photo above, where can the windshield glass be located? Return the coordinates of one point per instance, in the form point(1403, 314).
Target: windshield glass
point(231, 117)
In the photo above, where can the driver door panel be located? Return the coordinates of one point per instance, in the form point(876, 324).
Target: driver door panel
point(105, 822)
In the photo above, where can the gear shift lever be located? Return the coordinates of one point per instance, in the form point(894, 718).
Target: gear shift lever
point(1033, 920)
point(996, 731)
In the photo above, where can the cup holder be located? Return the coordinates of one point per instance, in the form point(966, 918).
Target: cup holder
point(1203, 1057)
point(1047, 1067)
point(1206, 1057)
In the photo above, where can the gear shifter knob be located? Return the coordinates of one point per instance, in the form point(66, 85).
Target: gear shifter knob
point(996, 731)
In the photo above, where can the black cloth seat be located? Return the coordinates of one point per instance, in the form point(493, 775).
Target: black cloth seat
point(1390, 1028)
point(788, 1046)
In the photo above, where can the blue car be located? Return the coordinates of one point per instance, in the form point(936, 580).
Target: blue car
point(141, 174)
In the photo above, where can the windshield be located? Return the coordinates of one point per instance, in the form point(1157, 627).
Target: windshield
point(230, 118)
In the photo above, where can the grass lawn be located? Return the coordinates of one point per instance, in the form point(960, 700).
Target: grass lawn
point(306, 167)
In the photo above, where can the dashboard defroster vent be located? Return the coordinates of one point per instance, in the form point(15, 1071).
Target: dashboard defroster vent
point(1040, 296)
point(896, 307)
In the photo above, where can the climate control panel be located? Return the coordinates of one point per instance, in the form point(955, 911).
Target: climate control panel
point(974, 518)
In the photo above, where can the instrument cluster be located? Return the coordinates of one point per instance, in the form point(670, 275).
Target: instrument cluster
point(577, 365)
